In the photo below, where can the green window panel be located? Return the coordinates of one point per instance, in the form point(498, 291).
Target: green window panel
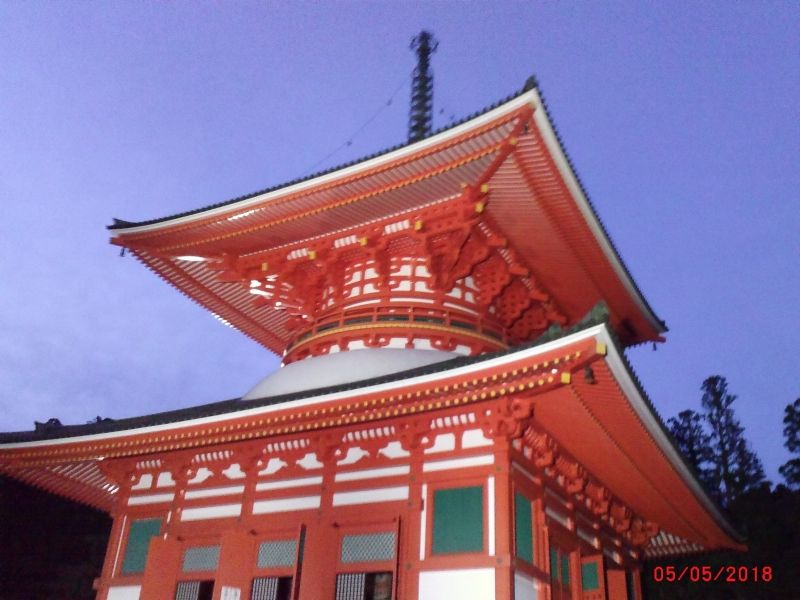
point(523, 532)
point(139, 536)
point(565, 569)
point(458, 520)
point(553, 564)
point(590, 576)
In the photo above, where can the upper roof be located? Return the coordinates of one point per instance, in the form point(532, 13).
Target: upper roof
point(120, 224)
point(536, 201)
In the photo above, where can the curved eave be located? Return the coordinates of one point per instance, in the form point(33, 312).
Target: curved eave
point(571, 179)
point(655, 427)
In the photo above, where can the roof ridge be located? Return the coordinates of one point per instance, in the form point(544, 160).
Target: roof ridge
point(121, 224)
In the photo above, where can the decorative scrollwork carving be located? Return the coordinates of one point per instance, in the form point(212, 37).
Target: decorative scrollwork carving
point(543, 447)
point(508, 418)
point(599, 498)
point(575, 478)
point(622, 517)
point(415, 434)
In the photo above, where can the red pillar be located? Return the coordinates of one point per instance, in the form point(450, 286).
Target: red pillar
point(541, 548)
point(408, 565)
point(101, 584)
point(318, 579)
point(617, 586)
point(320, 553)
point(163, 565)
point(637, 584)
point(576, 583)
point(503, 523)
point(237, 550)
point(118, 473)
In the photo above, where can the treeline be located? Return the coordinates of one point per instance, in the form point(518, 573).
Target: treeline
point(714, 444)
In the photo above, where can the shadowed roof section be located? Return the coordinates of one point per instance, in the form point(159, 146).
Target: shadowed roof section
point(535, 201)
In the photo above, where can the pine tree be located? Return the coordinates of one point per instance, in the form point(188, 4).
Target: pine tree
point(735, 467)
point(791, 431)
point(694, 442)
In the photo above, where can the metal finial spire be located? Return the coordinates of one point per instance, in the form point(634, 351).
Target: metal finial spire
point(421, 116)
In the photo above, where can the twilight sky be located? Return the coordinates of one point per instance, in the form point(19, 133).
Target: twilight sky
point(682, 119)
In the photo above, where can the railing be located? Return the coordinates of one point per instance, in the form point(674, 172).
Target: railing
point(411, 314)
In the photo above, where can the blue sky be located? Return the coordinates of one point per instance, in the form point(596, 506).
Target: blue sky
point(682, 120)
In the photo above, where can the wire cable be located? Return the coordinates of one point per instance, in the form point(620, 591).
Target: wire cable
point(364, 125)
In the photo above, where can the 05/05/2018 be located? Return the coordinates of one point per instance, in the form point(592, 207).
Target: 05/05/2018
point(706, 574)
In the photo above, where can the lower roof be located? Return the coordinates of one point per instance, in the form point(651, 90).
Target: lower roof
point(605, 422)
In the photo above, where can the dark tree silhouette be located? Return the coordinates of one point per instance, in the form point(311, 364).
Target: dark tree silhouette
point(791, 431)
point(768, 518)
point(51, 547)
point(694, 442)
point(735, 467)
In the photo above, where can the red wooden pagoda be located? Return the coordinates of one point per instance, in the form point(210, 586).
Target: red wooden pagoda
point(454, 417)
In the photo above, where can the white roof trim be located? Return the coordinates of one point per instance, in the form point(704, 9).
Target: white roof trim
point(526, 98)
point(623, 377)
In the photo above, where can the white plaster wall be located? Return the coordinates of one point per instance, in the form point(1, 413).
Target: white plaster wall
point(217, 511)
point(525, 588)
point(443, 443)
point(145, 481)
point(370, 496)
point(124, 592)
point(463, 584)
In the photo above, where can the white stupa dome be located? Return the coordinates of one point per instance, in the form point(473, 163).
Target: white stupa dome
point(342, 367)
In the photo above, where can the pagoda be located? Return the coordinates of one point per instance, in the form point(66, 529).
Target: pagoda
point(454, 416)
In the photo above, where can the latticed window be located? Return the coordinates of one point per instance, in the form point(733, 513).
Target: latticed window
point(375, 550)
point(364, 586)
point(368, 547)
point(350, 586)
point(279, 553)
point(276, 563)
point(200, 558)
point(271, 588)
point(195, 590)
point(139, 535)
